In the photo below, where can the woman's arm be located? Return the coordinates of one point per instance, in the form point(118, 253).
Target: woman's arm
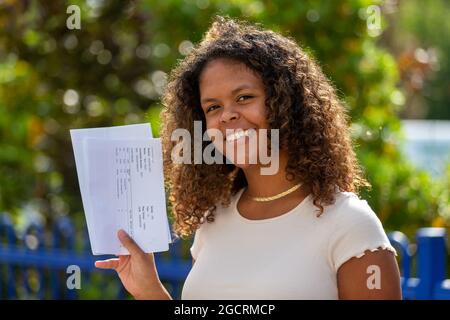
point(372, 276)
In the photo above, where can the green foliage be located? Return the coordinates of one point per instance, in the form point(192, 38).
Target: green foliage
point(428, 26)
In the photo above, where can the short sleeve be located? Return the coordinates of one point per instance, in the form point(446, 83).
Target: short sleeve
point(197, 243)
point(356, 230)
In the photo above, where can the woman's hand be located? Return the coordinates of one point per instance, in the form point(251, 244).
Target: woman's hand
point(137, 271)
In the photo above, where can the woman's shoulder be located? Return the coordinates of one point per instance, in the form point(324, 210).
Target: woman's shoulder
point(355, 228)
point(349, 208)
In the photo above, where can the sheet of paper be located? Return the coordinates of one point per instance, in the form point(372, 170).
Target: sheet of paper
point(126, 186)
point(79, 137)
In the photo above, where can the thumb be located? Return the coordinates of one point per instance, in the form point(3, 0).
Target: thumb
point(129, 243)
point(107, 264)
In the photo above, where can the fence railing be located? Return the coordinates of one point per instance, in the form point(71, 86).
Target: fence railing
point(44, 256)
point(37, 260)
point(430, 260)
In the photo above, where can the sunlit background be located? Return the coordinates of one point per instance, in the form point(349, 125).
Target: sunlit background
point(393, 78)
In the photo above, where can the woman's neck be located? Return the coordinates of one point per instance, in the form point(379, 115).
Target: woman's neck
point(268, 185)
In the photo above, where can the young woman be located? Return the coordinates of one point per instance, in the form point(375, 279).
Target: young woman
point(300, 233)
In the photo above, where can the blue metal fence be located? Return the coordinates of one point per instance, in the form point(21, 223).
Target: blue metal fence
point(430, 260)
point(44, 257)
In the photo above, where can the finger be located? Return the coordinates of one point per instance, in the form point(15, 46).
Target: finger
point(107, 264)
point(129, 243)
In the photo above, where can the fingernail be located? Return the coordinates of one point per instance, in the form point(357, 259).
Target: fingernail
point(122, 234)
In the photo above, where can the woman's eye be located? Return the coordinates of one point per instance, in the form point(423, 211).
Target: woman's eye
point(245, 98)
point(211, 108)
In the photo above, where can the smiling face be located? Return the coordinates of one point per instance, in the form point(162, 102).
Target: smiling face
point(232, 98)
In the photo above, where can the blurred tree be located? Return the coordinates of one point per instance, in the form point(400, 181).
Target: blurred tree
point(418, 35)
point(53, 79)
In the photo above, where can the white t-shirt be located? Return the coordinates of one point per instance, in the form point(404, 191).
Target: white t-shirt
point(292, 256)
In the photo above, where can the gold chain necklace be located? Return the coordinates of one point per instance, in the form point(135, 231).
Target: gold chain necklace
point(277, 196)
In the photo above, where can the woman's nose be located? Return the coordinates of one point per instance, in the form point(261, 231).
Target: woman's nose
point(229, 115)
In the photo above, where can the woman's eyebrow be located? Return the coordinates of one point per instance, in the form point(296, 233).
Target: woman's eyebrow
point(241, 87)
point(234, 91)
point(205, 100)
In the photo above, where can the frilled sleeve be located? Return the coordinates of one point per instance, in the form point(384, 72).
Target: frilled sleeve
point(356, 230)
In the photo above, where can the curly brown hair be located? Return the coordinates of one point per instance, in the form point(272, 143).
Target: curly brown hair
point(301, 102)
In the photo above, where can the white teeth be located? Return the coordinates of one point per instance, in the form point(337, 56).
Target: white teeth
point(237, 135)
